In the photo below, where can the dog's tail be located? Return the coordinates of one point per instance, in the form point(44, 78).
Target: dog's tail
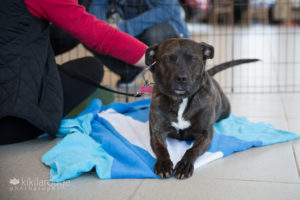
point(229, 64)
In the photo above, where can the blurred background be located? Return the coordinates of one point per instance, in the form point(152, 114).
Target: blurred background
point(264, 29)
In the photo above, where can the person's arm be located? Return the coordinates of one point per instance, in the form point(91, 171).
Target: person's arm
point(162, 12)
point(96, 34)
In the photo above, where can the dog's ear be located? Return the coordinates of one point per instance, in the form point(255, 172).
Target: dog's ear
point(150, 56)
point(208, 50)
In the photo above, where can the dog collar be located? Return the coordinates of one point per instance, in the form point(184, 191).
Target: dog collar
point(147, 88)
point(148, 67)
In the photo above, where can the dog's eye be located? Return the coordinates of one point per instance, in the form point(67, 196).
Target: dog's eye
point(194, 59)
point(169, 58)
point(191, 59)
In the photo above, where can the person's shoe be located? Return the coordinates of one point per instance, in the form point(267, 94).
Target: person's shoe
point(129, 81)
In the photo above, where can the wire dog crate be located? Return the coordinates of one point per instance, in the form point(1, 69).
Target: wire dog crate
point(264, 29)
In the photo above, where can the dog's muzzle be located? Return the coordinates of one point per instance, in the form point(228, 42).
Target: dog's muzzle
point(180, 84)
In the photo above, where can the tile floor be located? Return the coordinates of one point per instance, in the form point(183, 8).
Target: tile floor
point(271, 172)
point(265, 173)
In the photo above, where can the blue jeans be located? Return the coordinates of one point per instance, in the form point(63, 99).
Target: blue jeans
point(153, 35)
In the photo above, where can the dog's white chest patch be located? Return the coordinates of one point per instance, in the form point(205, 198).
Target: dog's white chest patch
point(181, 123)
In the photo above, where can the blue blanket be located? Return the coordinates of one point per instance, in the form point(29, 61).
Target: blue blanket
point(114, 140)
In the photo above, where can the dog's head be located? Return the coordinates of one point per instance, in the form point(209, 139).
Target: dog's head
point(179, 68)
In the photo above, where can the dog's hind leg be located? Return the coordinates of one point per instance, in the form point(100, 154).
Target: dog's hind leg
point(185, 167)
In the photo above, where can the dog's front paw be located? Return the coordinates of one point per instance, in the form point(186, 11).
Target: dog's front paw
point(163, 168)
point(184, 169)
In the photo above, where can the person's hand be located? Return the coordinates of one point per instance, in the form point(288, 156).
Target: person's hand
point(141, 62)
point(114, 25)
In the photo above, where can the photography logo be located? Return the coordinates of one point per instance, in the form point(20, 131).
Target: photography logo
point(34, 184)
point(14, 181)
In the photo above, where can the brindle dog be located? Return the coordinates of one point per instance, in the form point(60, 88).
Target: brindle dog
point(186, 101)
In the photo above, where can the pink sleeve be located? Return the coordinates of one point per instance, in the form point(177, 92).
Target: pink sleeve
point(98, 35)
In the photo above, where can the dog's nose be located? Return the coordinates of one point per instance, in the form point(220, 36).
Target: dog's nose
point(181, 78)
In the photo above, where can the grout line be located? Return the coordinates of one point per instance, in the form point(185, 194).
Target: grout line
point(289, 128)
point(296, 160)
point(284, 110)
point(260, 181)
point(136, 189)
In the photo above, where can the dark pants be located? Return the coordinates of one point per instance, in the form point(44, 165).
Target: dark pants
point(62, 42)
point(13, 129)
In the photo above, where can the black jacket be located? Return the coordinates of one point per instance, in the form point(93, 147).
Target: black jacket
point(30, 86)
